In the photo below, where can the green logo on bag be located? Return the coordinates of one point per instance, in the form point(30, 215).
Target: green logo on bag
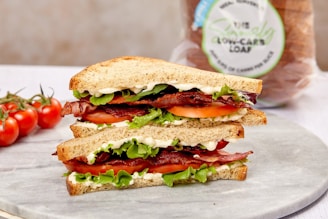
point(243, 37)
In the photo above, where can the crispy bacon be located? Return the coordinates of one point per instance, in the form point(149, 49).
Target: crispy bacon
point(77, 108)
point(182, 98)
point(175, 157)
point(190, 98)
point(188, 155)
point(123, 110)
point(127, 162)
point(164, 158)
point(221, 156)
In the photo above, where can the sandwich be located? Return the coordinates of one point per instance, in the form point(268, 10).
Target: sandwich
point(138, 91)
point(146, 122)
point(153, 155)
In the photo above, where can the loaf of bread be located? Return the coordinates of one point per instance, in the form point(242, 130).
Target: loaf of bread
point(288, 76)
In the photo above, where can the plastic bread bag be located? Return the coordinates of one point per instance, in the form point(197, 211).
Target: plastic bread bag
point(270, 40)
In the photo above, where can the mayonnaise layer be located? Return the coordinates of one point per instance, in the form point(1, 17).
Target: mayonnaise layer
point(143, 88)
point(151, 142)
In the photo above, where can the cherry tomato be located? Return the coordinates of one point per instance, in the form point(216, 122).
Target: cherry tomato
point(49, 114)
point(9, 130)
point(26, 117)
point(213, 110)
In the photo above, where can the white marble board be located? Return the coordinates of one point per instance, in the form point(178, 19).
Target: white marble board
point(288, 171)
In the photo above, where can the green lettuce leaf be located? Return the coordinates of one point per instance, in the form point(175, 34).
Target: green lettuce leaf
point(80, 177)
point(226, 90)
point(122, 178)
point(200, 175)
point(132, 149)
point(102, 100)
point(166, 117)
point(140, 121)
point(157, 89)
point(104, 178)
point(170, 178)
point(79, 95)
point(155, 115)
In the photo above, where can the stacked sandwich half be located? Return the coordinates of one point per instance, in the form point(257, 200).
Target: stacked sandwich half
point(146, 122)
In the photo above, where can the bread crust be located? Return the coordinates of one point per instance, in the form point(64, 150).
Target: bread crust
point(236, 173)
point(124, 72)
point(192, 136)
point(253, 118)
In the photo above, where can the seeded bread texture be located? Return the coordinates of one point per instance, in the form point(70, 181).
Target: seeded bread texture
point(191, 136)
point(236, 173)
point(127, 71)
point(253, 118)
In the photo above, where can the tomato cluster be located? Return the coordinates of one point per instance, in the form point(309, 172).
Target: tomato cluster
point(20, 116)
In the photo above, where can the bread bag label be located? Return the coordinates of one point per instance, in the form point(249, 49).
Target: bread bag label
point(241, 37)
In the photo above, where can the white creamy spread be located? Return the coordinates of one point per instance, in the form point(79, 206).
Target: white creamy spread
point(135, 175)
point(147, 176)
point(151, 142)
point(227, 167)
point(150, 86)
point(100, 127)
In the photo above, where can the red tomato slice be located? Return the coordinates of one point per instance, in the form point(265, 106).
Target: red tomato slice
point(80, 167)
point(100, 117)
point(171, 168)
point(101, 168)
point(213, 110)
point(118, 100)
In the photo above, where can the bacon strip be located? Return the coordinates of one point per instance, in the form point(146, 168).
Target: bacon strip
point(182, 98)
point(78, 108)
point(165, 157)
point(188, 155)
point(222, 157)
point(121, 110)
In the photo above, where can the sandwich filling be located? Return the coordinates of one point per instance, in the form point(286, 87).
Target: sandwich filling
point(160, 104)
point(148, 156)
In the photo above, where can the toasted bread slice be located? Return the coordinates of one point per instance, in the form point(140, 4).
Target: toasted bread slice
point(252, 118)
point(222, 173)
point(127, 71)
point(190, 136)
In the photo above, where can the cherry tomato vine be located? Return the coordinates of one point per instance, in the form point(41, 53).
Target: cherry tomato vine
point(19, 116)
